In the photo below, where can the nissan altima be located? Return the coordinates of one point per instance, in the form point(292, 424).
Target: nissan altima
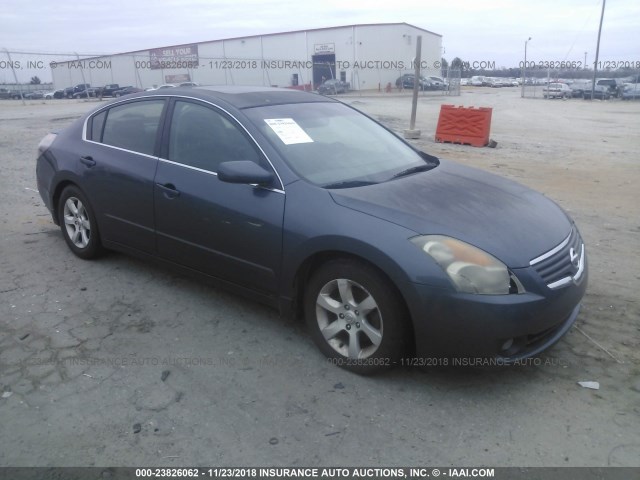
point(299, 201)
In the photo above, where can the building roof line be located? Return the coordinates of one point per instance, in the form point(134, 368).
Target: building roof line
point(264, 35)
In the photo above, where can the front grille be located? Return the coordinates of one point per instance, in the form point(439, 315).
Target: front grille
point(563, 264)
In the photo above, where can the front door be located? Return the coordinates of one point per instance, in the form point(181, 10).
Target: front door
point(230, 231)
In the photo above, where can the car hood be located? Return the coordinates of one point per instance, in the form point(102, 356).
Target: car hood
point(502, 217)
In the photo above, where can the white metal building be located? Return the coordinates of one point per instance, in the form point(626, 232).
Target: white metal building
point(367, 56)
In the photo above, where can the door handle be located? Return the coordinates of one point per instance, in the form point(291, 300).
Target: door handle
point(88, 161)
point(169, 190)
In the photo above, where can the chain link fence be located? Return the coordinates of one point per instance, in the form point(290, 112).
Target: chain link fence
point(37, 70)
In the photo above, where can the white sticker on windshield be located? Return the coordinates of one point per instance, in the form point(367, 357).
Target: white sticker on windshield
point(288, 130)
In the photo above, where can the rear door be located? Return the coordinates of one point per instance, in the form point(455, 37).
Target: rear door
point(118, 163)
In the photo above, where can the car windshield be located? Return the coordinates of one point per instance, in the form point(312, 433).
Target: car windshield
point(334, 146)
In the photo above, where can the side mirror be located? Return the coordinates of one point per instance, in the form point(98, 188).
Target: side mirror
point(244, 171)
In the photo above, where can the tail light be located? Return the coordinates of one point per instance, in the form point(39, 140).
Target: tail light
point(46, 142)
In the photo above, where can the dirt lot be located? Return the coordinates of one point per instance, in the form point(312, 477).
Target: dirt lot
point(120, 362)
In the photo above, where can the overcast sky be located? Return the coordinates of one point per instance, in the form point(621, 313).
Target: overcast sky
point(481, 30)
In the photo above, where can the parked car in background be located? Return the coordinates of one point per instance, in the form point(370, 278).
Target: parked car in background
point(478, 81)
point(126, 91)
point(557, 90)
point(69, 92)
point(30, 95)
point(333, 86)
point(86, 93)
point(108, 90)
point(55, 94)
point(631, 91)
point(163, 86)
point(6, 94)
point(34, 95)
point(600, 92)
point(303, 202)
point(406, 82)
point(612, 85)
point(188, 84)
point(578, 88)
point(437, 83)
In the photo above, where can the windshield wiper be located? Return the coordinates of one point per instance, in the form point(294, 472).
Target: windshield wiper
point(409, 171)
point(349, 183)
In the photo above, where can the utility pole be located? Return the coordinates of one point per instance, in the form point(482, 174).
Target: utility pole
point(524, 66)
point(412, 133)
point(595, 64)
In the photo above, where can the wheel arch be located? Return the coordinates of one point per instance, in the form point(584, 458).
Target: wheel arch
point(310, 265)
point(57, 192)
point(55, 198)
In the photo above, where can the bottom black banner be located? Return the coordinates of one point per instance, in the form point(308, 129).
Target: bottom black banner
point(498, 473)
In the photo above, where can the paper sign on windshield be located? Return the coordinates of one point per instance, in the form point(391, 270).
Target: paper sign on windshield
point(288, 130)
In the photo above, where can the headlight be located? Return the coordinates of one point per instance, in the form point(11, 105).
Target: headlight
point(470, 269)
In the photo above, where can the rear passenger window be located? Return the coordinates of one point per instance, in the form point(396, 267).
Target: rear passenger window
point(133, 126)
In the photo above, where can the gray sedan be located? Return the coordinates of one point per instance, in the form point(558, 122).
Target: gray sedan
point(392, 256)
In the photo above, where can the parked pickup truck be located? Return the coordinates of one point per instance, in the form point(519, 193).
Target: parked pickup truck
point(70, 92)
point(613, 86)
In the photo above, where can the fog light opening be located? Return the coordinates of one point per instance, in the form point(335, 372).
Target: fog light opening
point(513, 346)
point(507, 345)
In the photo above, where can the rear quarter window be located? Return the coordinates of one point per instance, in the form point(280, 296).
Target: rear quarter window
point(97, 124)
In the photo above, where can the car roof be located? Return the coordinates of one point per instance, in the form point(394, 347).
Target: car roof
point(242, 96)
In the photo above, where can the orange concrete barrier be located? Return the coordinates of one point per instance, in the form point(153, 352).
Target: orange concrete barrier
point(466, 126)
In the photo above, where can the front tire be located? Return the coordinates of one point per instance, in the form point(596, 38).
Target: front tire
point(356, 318)
point(78, 224)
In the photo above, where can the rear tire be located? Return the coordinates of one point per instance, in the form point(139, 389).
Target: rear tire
point(356, 318)
point(78, 224)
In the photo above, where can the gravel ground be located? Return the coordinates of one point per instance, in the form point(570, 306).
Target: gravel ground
point(118, 362)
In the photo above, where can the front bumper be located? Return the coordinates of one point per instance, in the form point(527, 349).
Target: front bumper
point(504, 327)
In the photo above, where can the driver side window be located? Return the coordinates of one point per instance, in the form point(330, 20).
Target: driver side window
point(203, 138)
